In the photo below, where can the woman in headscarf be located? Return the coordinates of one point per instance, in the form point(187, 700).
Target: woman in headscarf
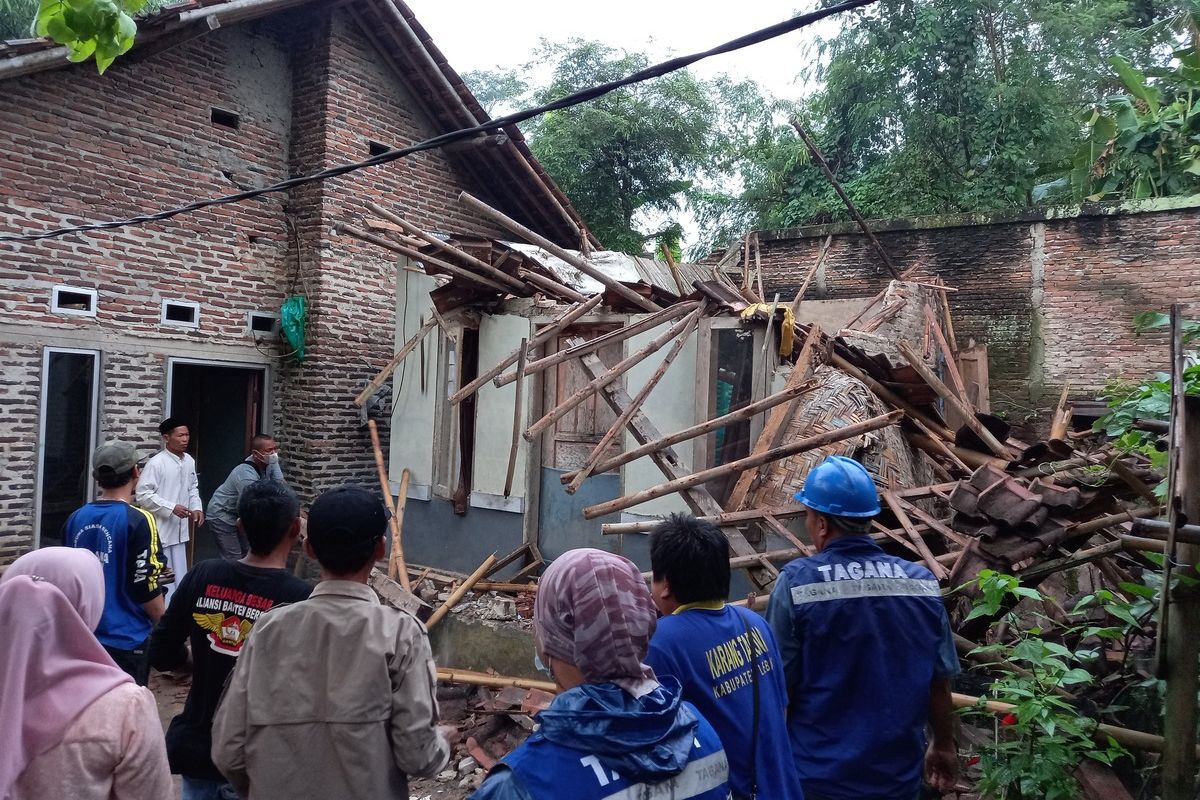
point(613, 730)
point(72, 723)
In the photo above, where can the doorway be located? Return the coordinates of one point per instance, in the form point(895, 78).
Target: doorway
point(70, 388)
point(223, 405)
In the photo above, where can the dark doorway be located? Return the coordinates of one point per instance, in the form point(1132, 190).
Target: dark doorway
point(223, 407)
point(68, 438)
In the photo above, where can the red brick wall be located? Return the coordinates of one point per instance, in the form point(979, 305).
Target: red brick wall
point(311, 92)
point(1053, 298)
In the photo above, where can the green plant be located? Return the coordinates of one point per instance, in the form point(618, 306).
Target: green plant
point(1039, 743)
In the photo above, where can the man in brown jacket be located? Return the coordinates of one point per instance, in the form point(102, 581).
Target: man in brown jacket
point(333, 697)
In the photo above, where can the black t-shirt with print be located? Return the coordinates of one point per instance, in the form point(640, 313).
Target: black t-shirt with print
point(216, 605)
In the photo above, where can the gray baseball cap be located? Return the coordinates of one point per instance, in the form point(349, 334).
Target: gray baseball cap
point(113, 458)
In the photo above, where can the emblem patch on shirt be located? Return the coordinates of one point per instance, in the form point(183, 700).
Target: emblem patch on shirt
point(225, 633)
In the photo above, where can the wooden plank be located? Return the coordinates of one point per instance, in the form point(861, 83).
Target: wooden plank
point(918, 540)
point(733, 467)
point(612, 337)
point(635, 405)
point(699, 430)
point(387, 371)
point(543, 336)
point(952, 400)
point(772, 432)
point(973, 366)
point(614, 372)
point(574, 260)
point(516, 427)
point(951, 365)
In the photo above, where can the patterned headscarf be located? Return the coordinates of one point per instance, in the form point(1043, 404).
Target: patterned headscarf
point(593, 610)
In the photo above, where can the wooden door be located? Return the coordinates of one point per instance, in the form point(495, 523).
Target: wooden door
point(571, 440)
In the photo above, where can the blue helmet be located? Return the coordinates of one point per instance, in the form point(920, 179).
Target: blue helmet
point(840, 487)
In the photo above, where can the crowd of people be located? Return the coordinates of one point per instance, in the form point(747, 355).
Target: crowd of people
point(664, 690)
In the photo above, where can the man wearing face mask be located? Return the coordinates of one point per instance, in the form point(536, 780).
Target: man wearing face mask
point(263, 462)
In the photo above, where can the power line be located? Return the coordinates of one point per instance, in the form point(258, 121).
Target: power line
point(574, 99)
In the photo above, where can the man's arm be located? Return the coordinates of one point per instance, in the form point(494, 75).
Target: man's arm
point(417, 746)
point(275, 473)
point(144, 563)
point(231, 722)
point(167, 651)
point(941, 759)
point(780, 617)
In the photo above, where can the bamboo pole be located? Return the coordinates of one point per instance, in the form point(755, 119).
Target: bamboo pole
point(870, 304)
point(397, 554)
point(734, 467)
point(543, 336)
point(472, 678)
point(516, 427)
point(387, 371)
point(890, 397)
point(574, 260)
point(948, 354)
point(698, 430)
point(1138, 740)
point(612, 337)
point(812, 272)
point(776, 425)
point(458, 593)
point(619, 425)
point(396, 557)
point(552, 286)
point(952, 400)
point(479, 264)
point(944, 301)
point(819, 158)
point(417, 255)
point(918, 540)
point(730, 519)
point(614, 372)
point(671, 265)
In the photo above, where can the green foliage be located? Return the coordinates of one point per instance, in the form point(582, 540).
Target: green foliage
point(1038, 745)
point(1148, 399)
point(935, 106)
point(1146, 141)
point(495, 88)
point(98, 29)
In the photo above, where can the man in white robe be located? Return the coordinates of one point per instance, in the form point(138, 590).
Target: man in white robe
point(169, 490)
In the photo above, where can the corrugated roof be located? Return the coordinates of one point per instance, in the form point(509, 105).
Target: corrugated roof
point(621, 266)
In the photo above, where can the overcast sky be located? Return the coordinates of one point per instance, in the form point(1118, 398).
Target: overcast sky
point(485, 34)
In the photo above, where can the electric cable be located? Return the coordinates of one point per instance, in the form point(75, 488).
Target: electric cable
point(573, 99)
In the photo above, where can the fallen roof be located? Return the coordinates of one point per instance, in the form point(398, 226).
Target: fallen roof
point(502, 165)
point(620, 266)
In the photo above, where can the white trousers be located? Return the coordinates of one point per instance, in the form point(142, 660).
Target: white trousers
point(176, 555)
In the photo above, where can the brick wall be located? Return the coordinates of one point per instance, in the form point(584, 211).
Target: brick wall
point(1052, 294)
point(310, 92)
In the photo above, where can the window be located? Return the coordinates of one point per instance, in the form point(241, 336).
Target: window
point(262, 323)
point(73, 301)
point(225, 119)
point(180, 313)
point(70, 385)
point(733, 374)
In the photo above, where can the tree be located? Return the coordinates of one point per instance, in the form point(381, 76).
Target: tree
point(934, 106)
point(495, 88)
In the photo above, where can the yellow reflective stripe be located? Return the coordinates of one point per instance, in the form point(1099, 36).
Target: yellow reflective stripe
point(156, 566)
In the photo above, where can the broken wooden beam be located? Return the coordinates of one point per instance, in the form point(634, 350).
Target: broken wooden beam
point(472, 678)
point(703, 428)
point(734, 467)
point(948, 356)
point(812, 271)
point(387, 371)
point(1060, 423)
point(968, 415)
point(516, 427)
point(543, 336)
point(613, 372)
point(461, 590)
point(574, 260)
point(480, 265)
point(777, 422)
point(635, 405)
point(396, 557)
point(918, 541)
point(728, 519)
point(552, 286)
point(668, 314)
point(417, 255)
point(890, 397)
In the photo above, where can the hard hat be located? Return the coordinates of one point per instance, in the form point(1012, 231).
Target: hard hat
point(840, 487)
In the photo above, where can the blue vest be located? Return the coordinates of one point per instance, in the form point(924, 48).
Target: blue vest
point(550, 771)
point(867, 627)
point(104, 527)
point(708, 651)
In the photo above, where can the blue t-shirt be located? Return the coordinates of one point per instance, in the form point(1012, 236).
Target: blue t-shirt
point(708, 651)
point(125, 539)
point(862, 635)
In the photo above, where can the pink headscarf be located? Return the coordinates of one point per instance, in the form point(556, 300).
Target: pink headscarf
point(51, 665)
point(593, 610)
